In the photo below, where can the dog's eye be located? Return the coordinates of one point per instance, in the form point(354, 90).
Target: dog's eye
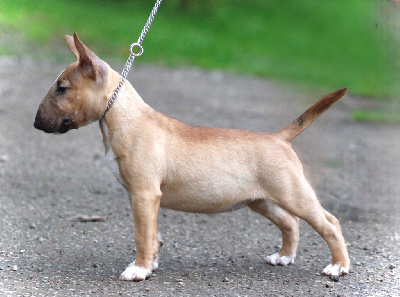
point(61, 90)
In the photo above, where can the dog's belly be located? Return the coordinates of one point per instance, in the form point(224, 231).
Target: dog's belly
point(201, 198)
point(196, 206)
point(215, 176)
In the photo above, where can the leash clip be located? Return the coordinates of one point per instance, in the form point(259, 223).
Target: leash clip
point(136, 53)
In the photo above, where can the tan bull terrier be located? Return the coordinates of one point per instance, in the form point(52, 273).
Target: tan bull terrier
point(163, 162)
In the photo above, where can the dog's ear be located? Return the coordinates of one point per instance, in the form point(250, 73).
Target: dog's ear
point(71, 44)
point(88, 60)
point(84, 53)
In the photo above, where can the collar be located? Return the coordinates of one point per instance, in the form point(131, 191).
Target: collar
point(113, 97)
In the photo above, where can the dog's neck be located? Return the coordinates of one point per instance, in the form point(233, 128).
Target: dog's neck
point(128, 106)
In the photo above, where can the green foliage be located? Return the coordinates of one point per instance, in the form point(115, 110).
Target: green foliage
point(320, 43)
point(376, 116)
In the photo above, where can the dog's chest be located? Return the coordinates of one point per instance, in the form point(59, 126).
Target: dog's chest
point(110, 158)
point(112, 163)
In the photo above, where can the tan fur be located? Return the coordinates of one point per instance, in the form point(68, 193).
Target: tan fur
point(166, 163)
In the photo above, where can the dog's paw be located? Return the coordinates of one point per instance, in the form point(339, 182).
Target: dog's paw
point(275, 259)
point(135, 273)
point(335, 271)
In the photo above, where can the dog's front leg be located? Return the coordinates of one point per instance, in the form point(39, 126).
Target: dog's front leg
point(145, 206)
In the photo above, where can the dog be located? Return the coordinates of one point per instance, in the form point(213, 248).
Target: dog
point(162, 162)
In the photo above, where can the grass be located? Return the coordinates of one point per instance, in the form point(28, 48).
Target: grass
point(384, 117)
point(329, 44)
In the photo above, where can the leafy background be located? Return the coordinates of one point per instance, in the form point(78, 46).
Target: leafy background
point(325, 44)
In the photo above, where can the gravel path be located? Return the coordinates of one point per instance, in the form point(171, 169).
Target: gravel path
point(47, 182)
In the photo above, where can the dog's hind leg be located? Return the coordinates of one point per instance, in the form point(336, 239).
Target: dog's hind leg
point(298, 198)
point(287, 224)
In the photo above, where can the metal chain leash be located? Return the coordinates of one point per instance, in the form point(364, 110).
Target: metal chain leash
point(137, 45)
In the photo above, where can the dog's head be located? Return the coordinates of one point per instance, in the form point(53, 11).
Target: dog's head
point(78, 96)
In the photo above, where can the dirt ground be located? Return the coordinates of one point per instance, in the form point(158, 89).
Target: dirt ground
point(47, 181)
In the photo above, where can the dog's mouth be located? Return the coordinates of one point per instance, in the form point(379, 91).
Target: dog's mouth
point(51, 126)
point(66, 125)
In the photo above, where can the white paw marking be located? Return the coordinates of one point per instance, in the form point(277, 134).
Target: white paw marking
point(275, 259)
point(335, 270)
point(136, 273)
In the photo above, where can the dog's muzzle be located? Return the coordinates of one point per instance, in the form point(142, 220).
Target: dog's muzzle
point(38, 123)
point(66, 125)
point(41, 125)
point(51, 126)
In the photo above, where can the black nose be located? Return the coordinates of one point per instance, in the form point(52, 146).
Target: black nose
point(38, 123)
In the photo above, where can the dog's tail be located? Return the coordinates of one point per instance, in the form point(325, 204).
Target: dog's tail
point(303, 121)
